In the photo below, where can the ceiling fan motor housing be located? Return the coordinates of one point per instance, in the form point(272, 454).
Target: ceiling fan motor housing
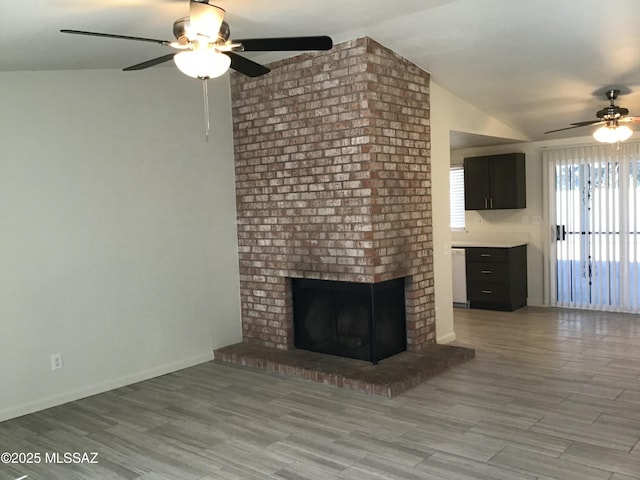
point(612, 111)
point(181, 25)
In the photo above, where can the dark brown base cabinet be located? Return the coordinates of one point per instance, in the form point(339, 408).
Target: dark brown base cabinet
point(497, 277)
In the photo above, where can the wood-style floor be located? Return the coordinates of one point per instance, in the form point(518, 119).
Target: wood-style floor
point(552, 394)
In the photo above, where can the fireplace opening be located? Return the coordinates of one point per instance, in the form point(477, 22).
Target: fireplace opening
point(365, 321)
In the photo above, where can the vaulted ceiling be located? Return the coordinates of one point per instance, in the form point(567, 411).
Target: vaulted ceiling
point(535, 65)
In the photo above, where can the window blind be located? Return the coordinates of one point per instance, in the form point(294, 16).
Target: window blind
point(456, 200)
point(594, 193)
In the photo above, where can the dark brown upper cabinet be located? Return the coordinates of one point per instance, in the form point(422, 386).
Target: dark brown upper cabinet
point(493, 182)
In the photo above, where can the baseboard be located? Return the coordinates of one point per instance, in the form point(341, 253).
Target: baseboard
point(450, 337)
point(534, 304)
point(460, 304)
point(55, 400)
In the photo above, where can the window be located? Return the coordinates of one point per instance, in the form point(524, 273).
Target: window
point(456, 200)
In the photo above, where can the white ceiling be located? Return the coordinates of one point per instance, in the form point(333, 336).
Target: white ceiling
point(536, 65)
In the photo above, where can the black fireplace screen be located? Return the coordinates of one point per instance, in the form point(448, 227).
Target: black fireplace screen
point(365, 321)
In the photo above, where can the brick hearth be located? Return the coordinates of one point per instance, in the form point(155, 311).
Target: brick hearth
point(388, 378)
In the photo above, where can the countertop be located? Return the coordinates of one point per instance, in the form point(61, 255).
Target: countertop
point(487, 243)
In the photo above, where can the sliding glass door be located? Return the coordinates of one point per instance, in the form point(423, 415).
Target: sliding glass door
point(595, 249)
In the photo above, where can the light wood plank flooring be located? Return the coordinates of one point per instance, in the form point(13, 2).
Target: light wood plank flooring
point(552, 394)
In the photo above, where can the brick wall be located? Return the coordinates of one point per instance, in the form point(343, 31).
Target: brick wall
point(333, 182)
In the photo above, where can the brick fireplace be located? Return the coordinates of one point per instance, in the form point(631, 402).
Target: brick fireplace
point(332, 156)
point(333, 183)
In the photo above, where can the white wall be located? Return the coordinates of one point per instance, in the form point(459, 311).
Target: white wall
point(450, 113)
point(117, 231)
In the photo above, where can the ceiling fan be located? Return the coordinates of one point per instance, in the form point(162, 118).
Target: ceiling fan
point(612, 118)
point(204, 48)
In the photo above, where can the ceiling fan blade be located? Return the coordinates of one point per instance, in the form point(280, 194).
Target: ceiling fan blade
point(629, 120)
point(286, 44)
point(575, 126)
point(205, 19)
point(587, 122)
point(150, 63)
point(246, 66)
point(110, 35)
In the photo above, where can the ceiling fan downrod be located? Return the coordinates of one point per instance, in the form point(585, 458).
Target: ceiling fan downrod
point(205, 96)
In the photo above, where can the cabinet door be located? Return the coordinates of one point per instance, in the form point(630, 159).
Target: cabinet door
point(476, 183)
point(507, 181)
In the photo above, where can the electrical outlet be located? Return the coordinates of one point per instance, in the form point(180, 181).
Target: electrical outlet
point(537, 219)
point(56, 361)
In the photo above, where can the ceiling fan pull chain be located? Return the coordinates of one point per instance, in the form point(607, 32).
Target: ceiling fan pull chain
point(205, 94)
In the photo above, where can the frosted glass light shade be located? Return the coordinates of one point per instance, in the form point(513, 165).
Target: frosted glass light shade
point(612, 134)
point(202, 63)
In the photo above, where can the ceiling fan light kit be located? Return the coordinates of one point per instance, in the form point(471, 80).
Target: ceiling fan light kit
point(613, 133)
point(203, 63)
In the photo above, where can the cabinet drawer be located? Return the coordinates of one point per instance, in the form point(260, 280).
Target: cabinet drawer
point(489, 292)
point(481, 254)
point(488, 272)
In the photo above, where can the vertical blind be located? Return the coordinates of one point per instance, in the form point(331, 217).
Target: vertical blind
point(594, 211)
point(456, 197)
